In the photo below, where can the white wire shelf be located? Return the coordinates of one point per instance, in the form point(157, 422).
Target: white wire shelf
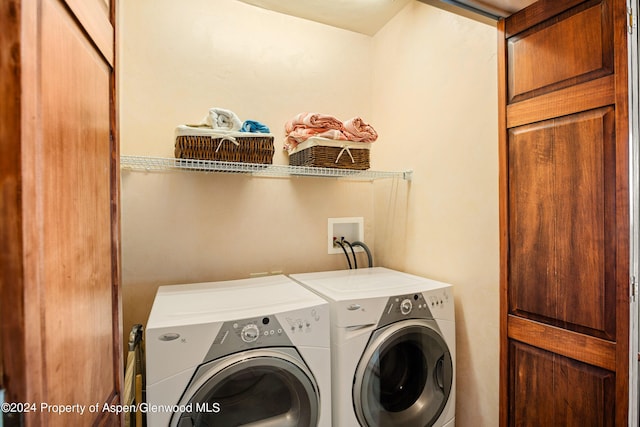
point(159, 164)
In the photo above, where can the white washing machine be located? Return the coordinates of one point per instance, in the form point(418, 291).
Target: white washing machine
point(393, 347)
point(252, 352)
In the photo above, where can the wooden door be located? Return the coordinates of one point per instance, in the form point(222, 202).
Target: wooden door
point(564, 214)
point(59, 219)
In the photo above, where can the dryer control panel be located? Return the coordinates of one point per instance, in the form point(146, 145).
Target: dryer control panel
point(267, 331)
point(245, 334)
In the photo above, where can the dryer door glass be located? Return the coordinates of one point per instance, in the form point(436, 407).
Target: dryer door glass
point(404, 377)
point(260, 389)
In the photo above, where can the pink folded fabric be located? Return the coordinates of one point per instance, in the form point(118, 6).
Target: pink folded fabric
point(357, 130)
point(305, 125)
point(313, 120)
point(300, 135)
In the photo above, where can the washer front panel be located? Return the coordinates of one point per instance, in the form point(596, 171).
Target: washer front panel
point(405, 376)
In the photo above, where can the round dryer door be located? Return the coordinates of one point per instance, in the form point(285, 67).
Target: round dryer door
point(404, 377)
point(261, 388)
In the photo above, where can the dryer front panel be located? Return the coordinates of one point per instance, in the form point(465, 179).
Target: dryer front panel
point(404, 377)
point(263, 387)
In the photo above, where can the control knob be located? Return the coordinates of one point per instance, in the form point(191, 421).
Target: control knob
point(250, 333)
point(406, 306)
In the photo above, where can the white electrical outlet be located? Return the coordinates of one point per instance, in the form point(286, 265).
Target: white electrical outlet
point(352, 229)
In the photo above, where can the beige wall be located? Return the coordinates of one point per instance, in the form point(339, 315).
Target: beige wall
point(427, 82)
point(179, 59)
point(435, 91)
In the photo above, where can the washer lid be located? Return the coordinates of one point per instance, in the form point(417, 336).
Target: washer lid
point(194, 303)
point(343, 285)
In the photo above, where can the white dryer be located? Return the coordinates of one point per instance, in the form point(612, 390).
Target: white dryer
point(393, 347)
point(251, 352)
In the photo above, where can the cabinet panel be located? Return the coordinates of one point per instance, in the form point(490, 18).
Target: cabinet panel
point(562, 227)
point(564, 241)
point(95, 18)
point(76, 217)
point(572, 48)
point(60, 271)
point(532, 225)
point(537, 378)
point(585, 230)
point(530, 386)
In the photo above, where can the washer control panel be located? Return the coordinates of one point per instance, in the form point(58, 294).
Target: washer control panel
point(439, 300)
point(406, 306)
point(250, 333)
point(412, 304)
point(419, 305)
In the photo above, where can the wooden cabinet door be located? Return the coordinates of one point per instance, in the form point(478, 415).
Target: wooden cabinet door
point(59, 222)
point(564, 214)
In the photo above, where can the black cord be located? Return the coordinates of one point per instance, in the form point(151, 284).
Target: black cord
point(366, 249)
point(355, 261)
point(345, 252)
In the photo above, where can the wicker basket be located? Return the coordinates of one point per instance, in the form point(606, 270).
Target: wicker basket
point(319, 152)
point(234, 147)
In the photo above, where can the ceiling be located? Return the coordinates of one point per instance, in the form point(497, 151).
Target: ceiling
point(368, 16)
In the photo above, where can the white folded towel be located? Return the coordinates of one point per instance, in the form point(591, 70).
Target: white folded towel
point(220, 118)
